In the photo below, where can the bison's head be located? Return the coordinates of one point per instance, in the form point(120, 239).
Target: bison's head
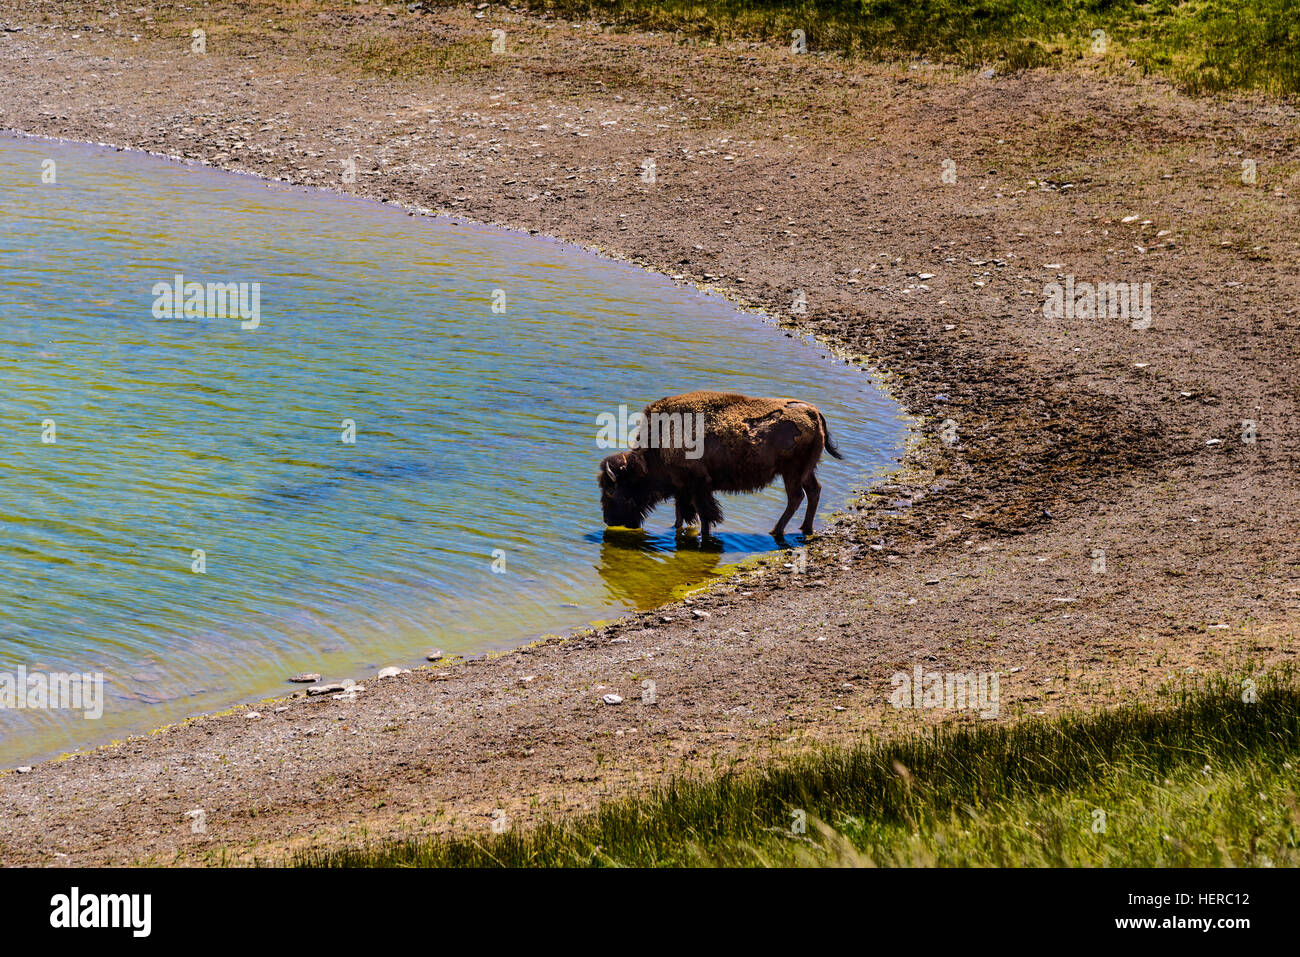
point(626, 492)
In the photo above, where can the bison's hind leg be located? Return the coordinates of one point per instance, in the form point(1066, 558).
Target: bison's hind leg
point(794, 494)
point(814, 490)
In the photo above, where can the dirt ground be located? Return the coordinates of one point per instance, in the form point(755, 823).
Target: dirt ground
point(1042, 442)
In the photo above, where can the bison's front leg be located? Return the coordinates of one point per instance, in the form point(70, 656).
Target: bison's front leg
point(685, 509)
point(709, 510)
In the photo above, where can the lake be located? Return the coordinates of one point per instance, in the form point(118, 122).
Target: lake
point(392, 448)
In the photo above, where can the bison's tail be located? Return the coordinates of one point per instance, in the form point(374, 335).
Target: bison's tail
point(826, 434)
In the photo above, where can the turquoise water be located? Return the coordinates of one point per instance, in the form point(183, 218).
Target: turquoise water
point(464, 516)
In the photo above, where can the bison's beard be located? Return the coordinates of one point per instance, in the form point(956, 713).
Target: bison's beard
point(624, 510)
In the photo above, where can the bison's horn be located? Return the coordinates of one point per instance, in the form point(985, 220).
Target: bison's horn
point(610, 472)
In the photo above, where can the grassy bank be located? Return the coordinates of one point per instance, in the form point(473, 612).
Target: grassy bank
point(1203, 779)
point(1204, 45)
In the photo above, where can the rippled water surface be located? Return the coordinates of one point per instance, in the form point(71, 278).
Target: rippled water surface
point(475, 436)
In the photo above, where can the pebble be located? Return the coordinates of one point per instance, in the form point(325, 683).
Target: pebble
point(612, 699)
point(389, 672)
point(434, 655)
point(24, 770)
point(305, 678)
point(326, 689)
point(252, 714)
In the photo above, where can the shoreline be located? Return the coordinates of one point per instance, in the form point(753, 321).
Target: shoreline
point(1066, 444)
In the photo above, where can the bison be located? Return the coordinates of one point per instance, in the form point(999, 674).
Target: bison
point(690, 446)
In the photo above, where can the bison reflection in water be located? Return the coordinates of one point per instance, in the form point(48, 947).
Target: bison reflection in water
point(645, 570)
point(748, 442)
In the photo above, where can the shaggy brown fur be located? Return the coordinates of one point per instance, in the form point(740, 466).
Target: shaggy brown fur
point(747, 443)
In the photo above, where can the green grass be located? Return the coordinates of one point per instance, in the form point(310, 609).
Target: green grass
point(1203, 45)
point(1203, 780)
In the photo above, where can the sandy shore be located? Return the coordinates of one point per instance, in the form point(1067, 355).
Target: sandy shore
point(774, 173)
